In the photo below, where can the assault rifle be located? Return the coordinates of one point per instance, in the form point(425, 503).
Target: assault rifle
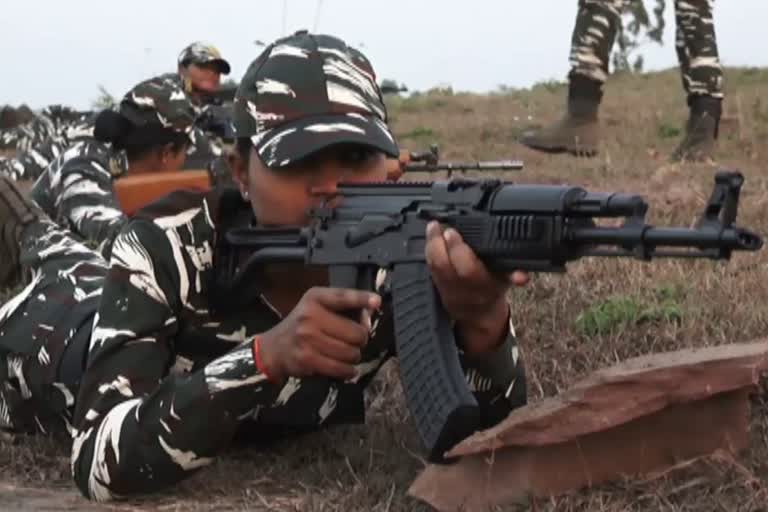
point(537, 228)
point(225, 94)
point(217, 120)
point(429, 161)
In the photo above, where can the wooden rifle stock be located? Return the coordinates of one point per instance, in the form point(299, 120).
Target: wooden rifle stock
point(135, 192)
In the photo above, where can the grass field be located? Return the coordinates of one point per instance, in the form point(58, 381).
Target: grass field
point(600, 312)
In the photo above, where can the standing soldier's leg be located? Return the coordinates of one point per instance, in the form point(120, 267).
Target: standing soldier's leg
point(597, 24)
point(702, 77)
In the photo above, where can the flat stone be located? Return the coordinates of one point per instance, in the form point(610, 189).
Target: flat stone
point(642, 415)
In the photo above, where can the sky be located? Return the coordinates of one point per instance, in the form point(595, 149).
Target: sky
point(61, 51)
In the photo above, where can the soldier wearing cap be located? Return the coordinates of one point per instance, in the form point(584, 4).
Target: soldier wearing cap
point(150, 130)
point(165, 352)
point(200, 68)
point(40, 142)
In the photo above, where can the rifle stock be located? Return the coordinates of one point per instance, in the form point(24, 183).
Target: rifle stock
point(136, 191)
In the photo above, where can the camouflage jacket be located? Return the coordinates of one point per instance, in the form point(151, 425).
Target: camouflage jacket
point(206, 146)
point(52, 121)
point(165, 360)
point(76, 192)
point(41, 142)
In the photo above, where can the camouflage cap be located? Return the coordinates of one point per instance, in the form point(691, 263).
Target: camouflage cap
point(203, 53)
point(306, 92)
point(159, 100)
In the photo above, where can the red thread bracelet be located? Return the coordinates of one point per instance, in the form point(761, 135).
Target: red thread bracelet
point(257, 358)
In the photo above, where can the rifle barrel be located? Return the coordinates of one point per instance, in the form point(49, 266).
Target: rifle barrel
point(496, 165)
point(732, 238)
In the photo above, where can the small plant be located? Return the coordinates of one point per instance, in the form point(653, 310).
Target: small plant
point(105, 99)
point(607, 316)
point(616, 313)
point(668, 131)
point(552, 86)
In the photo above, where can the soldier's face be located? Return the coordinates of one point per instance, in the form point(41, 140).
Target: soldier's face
point(167, 158)
point(205, 79)
point(282, 197)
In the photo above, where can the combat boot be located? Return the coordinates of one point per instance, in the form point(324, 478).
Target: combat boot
point(578, 131)
point(701, 131)
point(16, 212)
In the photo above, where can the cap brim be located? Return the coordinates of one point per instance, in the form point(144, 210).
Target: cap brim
point(293, 141)
point(223, 65)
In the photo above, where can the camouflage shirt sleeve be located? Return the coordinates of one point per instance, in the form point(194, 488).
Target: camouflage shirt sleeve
point(138, 427)
point(87, 202)
point(497, 379)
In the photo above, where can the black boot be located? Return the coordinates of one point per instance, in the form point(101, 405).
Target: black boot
point(16, 212)
point(578, 131)
point(701, 131)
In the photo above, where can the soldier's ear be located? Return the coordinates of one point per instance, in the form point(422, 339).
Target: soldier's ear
point(186, 80)
point(239, 167)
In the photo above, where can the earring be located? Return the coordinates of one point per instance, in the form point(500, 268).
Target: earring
point(244, 194)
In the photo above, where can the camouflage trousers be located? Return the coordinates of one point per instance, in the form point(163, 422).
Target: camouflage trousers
point(598, 22)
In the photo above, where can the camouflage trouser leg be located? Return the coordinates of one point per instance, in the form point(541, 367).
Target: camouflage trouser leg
point(697, 48)
point(597, 24)
point(53, 313)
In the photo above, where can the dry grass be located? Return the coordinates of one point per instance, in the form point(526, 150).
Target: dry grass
point(600, 312)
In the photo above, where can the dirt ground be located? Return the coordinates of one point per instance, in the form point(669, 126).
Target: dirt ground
point(600, 312)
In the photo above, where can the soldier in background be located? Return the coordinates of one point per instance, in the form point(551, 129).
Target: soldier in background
point(11, 117)
point(597, 24)
point(41, 140)
point(149, 130)
point(200, 67)
point(56, 128)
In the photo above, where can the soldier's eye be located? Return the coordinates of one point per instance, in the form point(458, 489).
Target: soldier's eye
point(356, 155)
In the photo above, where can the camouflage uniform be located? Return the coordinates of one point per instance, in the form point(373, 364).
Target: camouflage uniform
point(214, 119)
point(41, 141)
point(53, 120)
point(598, 23)
point(165, 355)
point(76, 189)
